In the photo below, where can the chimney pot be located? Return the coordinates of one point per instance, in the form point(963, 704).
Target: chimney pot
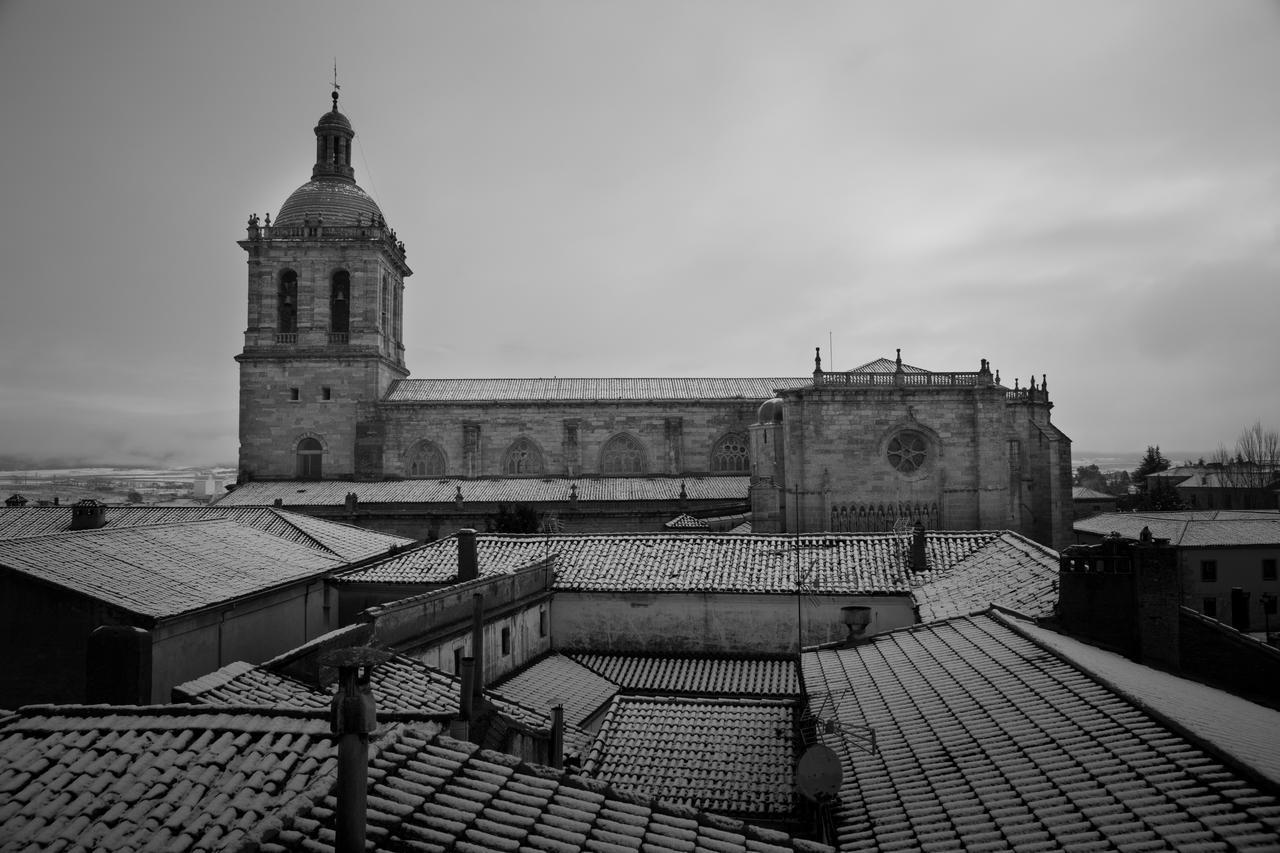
point(88, 514)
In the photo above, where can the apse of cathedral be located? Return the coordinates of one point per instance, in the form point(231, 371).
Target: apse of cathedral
point(325, 394)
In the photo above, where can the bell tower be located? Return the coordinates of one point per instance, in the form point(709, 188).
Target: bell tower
point(323, 341)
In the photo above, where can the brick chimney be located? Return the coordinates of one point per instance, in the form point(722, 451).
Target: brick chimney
point(1125, 594)
point(88, 514)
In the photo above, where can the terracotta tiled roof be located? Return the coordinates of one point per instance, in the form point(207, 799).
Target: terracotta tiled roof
point(1190, 529)
point(102, 778)
point(401, 686)
point(1084, 493)
point(168, 569)
point(560, 680)
point(681, 562)
point(177, 777)
point(440, 794)
point(498, 490)
point(1011, 571)
point(688, 675)
point(344, 540)
point(684, 521)
point(734, 756)
point(587, 390)
point(1248, 732)
point(985, 740)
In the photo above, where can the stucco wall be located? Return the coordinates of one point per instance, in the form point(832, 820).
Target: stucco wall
point(675, 622)
point(253, 630)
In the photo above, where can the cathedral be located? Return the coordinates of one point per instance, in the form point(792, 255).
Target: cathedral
point(325, 395)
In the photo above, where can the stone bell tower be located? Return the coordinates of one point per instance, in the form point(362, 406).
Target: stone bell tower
point(323, 341)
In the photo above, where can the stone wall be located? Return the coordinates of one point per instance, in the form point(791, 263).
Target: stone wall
point(837, 448)
point(272, 423)
point(677, 438)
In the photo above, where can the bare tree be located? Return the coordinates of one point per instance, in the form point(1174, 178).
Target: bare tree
point(1256, 461)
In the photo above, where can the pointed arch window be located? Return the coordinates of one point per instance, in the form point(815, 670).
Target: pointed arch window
point(340, 306)
point(729, 456)
point(310, 454)
point(523, 458)
point(622, 454)
point(287, 303)
point(426, 460)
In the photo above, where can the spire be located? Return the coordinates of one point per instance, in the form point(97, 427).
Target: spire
point(333, 142)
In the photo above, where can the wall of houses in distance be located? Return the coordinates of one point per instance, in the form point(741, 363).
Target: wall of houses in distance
point(712, 622)
point(677, 437)
point(1234, 567)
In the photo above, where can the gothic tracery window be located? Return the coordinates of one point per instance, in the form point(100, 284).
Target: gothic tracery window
point(729, 456)
point(908, 451)
point(426, 460)
point(622, 454)
point(523, 458)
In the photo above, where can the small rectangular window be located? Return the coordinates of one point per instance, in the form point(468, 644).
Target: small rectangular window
point(506, 641)
point(1269, 570)
point(542, 621)
point(326, 393)
point(1269, 605)
point(295, 394)
point(1209, 607)
point(457, 661)
point(1208, 571)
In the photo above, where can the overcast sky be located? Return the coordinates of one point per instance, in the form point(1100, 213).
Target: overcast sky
point(1085, 189)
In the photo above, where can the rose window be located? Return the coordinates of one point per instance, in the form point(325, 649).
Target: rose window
point(907, 451)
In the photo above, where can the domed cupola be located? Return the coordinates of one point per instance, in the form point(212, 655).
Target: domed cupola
point(333, 146)
point(332, 194)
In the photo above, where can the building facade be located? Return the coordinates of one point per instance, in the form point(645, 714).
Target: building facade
point(325, 394)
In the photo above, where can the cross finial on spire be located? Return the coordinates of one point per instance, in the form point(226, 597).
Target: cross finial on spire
point(336, 87)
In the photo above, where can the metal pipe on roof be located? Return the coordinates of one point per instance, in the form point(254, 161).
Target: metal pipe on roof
point(477, 643)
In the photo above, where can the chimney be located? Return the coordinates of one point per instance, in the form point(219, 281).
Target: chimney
point(919, 554)
point(468, 563)
point(118, 666)
point(278, 502)
point(351, 500)
point(353, 718)
point(477, 643)
point(557, 737)
point(88, 514)
point(461, 727)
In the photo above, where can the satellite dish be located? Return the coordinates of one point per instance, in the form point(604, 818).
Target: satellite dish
point(818, 775)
